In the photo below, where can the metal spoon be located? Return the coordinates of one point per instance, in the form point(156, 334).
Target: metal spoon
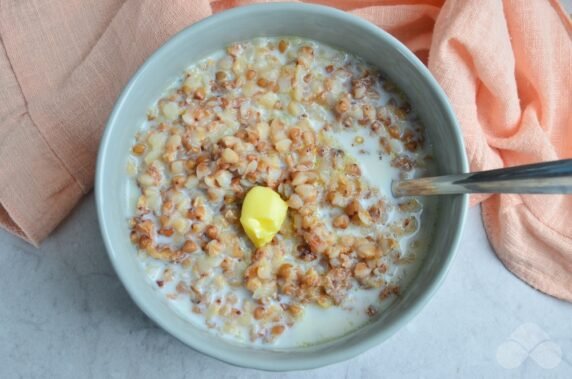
point(553, 177)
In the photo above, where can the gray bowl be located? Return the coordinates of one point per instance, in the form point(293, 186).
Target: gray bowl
point(334, 28)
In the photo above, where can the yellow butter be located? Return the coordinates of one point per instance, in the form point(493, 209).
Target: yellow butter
point(263, 212)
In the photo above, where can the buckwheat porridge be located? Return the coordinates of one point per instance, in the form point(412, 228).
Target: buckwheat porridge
point(320, 134)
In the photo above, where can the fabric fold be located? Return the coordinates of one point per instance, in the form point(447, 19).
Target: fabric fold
point(36, 190)
point(513, 96)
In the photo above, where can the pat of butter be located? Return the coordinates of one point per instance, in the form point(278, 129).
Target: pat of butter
point(263, 212)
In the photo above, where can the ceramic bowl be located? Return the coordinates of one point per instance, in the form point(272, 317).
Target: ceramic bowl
point(337, 29)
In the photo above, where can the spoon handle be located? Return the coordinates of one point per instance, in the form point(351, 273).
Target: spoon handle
point(540, 178)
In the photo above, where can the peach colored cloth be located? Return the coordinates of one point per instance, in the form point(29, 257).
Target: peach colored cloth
point(506, 66)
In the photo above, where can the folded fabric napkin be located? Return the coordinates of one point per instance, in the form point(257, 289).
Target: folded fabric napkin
point(506, 66)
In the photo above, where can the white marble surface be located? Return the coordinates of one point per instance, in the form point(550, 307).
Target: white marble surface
point(64, 313)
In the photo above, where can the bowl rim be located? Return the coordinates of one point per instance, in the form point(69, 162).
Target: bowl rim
point(330, 356)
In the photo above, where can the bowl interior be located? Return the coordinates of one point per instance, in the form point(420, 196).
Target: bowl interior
point(336, 29)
